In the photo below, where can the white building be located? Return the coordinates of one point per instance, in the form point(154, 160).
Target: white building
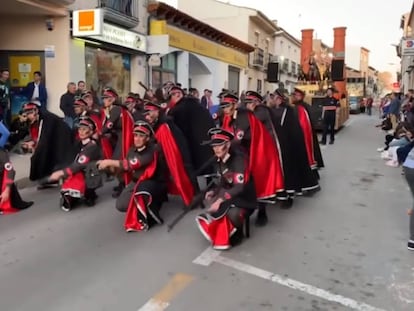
point(287, 49)
point(405, 50)
point(198, 55)
point(246, 24)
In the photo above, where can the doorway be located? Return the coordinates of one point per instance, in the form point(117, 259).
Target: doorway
point(21, 65)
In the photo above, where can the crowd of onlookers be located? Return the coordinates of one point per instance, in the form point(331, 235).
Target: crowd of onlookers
point(397, 114)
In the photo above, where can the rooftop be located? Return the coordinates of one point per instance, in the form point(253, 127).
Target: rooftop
point(184, 21)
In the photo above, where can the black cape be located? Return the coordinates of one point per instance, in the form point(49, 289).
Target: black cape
point(297, 172)
point(316, 149)
point(194, 121)
point(55, 148)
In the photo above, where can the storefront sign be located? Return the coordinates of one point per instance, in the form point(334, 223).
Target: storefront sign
point(90, 24)
point(193, 43)
point(87, 23)
point(407, 47)
point(122, 37)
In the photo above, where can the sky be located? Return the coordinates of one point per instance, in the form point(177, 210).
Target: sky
point(370, 23)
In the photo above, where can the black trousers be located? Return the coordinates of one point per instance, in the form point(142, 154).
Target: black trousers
point(329, 120)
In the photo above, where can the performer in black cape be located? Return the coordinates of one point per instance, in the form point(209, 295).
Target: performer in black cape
point(52, 142)
point(10, 199)
point(308, 127)
point(75, 187)
point(142, 198)
point(232, 199)
point(194, 121)
point(299, 178)
point(182, 179)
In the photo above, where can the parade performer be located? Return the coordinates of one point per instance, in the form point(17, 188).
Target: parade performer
point(264, 160)
point(142, 198)
point(298, 174)
point(194, 121)
point(10, 199)
point(75, 187)
point(232, 199)
point(117, 126)
point(51, 142)
point(175, 151)
point(311, 140)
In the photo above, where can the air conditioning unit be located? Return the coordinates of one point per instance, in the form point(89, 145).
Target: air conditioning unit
point(257, 63)
point(59, 2)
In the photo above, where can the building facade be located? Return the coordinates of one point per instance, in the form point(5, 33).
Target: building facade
point(405, 51)
point(198, 55)
point(51, 37)
point(287, 49)
point(246, 24)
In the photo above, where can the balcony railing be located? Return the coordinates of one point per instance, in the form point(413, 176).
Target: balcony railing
point(121, 12)
point(258, 57)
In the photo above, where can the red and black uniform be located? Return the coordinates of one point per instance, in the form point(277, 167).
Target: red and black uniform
point(53, 143)
point(299, 178)
point(118, 125)
point(181, 179)
point(7, 174)
point(142, 198)
point(264, 160)
point(311, 140)
point(74, 184)
point(237, 189)
point(194, 121)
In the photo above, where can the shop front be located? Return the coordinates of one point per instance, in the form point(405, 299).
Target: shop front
point(199, 56)
point(106, 55)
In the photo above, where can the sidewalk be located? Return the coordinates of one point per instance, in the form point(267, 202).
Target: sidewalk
point(21, 164)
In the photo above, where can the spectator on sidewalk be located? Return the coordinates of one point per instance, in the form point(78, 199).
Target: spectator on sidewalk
point(394, 110)
point(36, 90)
point(81, 88)
point(66, 104)
point(19, 130)
point(4, 94)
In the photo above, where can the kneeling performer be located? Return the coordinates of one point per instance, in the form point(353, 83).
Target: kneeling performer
point(232, 199)
point(74, 187)
point(142, 198)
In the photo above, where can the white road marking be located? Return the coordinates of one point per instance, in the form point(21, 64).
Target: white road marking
point(154, 305)
point(208, 257)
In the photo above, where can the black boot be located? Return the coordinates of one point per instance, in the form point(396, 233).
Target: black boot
point(117, 192)
point(261, 219)
point(90, 197)
point(287, 204)
point(65, 203)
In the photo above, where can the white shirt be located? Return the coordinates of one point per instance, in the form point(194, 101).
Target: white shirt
point(35, 91)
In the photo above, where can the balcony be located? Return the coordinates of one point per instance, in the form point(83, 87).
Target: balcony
point(258, 58)
point(121, 12)
point(34, 8)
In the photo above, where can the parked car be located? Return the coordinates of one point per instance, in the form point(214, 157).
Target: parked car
point(354, 104)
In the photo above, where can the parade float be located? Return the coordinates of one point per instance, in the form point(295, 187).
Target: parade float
point(322, 68)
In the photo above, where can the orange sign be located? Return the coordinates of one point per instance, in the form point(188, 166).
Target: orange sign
point(86, 20)
point(87, 23)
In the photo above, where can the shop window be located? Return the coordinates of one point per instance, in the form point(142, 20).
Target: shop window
point(107, 69)
point(166, 72)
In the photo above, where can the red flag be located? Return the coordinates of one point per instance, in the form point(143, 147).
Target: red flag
point(127, 137)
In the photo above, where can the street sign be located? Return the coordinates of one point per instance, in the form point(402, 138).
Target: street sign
point(154, 60)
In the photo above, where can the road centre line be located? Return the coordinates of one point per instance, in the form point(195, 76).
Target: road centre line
point(209, 256)
point(162, 300)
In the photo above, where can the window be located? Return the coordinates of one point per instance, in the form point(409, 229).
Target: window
point(259, 86)
point(293, 67)
point(166, 72)
point(107, 69)
point(285, 65)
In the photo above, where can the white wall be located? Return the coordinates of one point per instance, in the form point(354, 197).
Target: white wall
point(183, 60)
point(77, 60)
point(219, 15)
point(353, 56)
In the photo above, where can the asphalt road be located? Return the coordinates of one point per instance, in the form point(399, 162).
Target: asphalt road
point(343, 249)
